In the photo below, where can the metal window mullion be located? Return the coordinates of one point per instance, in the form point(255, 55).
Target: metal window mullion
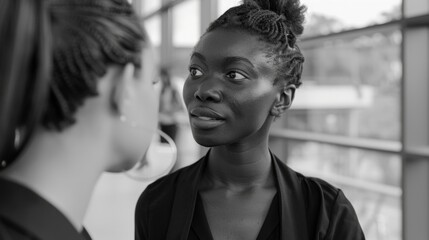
point(415, 132)
point(349, 34)
point(394, 147)
point(166, 6)
point(414, 21)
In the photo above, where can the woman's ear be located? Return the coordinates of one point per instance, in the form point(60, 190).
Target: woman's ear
point(122, 88)
point(284, 100)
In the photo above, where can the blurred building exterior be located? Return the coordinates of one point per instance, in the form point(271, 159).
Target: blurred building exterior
point(360, 120)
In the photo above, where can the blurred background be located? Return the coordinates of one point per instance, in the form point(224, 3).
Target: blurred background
point(360, 120)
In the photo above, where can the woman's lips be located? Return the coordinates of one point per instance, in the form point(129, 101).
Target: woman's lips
point(206, 113)
point(205, 118)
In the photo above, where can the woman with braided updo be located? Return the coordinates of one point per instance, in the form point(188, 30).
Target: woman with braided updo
point(243, 74)
point(93, 109)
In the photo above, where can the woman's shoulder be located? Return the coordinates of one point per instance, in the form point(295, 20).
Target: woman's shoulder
point(328, 208)
point(316, 186)
point(320, 191)
point(311, 186)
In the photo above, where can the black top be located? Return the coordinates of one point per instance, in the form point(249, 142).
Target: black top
point(309, 208)
point(270, 230)
point(24, 215)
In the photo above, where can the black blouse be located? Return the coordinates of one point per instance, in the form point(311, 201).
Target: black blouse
point(270, 230)
point(24, 215)
point(308, 208)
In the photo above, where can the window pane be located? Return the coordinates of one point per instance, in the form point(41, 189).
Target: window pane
point(329, 16)
point(416, 7)
point(351, 87)
point(153, 28)
point(186, 24)
point(150, 6)
point(370, 180)
point(224, 5)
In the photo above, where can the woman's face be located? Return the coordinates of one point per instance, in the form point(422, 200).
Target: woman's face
point(139, 116)
point(229, 91)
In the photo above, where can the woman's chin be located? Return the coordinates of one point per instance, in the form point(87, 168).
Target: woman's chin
point(205, 142)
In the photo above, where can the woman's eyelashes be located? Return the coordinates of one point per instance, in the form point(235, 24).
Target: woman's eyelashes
point(234, 75)
point(195, 72)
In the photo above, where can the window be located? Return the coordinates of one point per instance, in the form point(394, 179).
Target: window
point(371, 180)
point(153, 28)
point(329, 16)
point(150, 6)
point(351, 87)
point(224, 5)
point(345, 123)
point(186, 24)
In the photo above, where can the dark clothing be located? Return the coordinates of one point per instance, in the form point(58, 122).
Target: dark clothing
point(24, 215)
point(309, 209)
point(200, 229)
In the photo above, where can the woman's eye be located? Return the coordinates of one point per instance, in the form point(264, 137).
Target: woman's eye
point(235, 75)
point(195, 72)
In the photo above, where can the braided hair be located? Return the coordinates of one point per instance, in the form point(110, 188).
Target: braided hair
point(278, 23)
point(88, 36)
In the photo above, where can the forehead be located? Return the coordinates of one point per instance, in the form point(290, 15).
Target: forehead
point(222, 43)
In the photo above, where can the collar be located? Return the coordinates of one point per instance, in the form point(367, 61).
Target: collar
point(292, 206)
point(30, 212)
point(184, 201)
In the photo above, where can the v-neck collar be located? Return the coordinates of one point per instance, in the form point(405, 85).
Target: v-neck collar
point(291, 204)
point(202, 229)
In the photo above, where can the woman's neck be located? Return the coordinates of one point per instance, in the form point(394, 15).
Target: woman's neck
point(61, 174)
point(240, 169)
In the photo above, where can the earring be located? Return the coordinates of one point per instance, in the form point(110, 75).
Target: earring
point(158, 161)
point(275, 112)
point(17, 139)
point(16, 143)
point(125, 120)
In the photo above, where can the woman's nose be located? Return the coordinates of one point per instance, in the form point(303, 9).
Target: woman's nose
point(208, 91)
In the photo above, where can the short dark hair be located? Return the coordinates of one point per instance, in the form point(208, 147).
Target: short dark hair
point(88, 36)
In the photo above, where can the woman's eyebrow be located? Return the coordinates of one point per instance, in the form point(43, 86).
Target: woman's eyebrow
point(198, 55)
point(202, 60)
point(235, 59)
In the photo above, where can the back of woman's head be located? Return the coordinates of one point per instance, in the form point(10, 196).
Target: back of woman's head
point(24, 72)
point(88, 36)
point(278, 23)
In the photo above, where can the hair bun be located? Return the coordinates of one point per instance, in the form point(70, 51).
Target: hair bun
point(291, 10)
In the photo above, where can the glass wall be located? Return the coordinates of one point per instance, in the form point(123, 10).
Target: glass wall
point(150, 6)
point(186, 24)
point(153, 27)
point(345, 123)
point(329, 16)
point(224, 5)
point(351, 87)
point(371, 180)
